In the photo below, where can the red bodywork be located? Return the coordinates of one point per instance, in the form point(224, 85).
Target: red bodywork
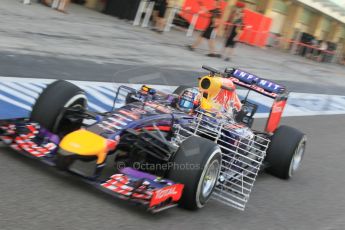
point(173, 192)
point(275, 115)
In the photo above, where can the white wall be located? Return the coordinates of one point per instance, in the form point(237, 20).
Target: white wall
point(277, 21)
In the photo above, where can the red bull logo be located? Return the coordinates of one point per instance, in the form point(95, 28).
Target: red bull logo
point(218, 94)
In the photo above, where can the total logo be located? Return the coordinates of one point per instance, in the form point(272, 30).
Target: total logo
point(167, 192)
point(173, 192)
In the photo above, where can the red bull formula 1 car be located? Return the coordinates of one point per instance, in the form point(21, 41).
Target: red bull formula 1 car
point(163, 150)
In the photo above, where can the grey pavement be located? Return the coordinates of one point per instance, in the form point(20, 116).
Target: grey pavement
point(33, 196)
point(87, 35)
point(38, 66)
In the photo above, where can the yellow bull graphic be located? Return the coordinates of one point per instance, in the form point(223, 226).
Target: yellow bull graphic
point(218, 94)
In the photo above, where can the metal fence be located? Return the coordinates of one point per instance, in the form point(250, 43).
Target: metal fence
point(242, 155)
point(314, 52)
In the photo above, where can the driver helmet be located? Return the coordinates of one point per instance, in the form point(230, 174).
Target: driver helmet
point(188, 100)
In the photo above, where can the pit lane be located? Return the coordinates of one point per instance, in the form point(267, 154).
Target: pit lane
point(34, 196)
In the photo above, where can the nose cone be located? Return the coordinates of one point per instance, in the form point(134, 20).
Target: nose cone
point(85, 143)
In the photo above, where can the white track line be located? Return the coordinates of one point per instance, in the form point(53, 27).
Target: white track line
point(21, 89)
point(17, 94)
point(40, 84)
point(99, 96)
point(104, 90)
point(13, 102)
point(96, 107)
point(299, 104)
point(31, 87)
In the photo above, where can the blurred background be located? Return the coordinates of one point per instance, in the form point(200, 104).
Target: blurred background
point(314, 29)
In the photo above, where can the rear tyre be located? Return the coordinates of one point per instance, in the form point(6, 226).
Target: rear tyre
point(48, 110)
point(286, 151)
point(196, 165)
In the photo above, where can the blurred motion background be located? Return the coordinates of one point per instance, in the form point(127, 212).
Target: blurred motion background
point(314, 29)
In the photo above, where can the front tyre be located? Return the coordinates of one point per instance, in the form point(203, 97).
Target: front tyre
point(49, 108)
point(196, 165)
point(286, 151)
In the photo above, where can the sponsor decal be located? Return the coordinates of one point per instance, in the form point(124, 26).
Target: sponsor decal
point(262, 83)
point(254, 87)
point(118, 121)
point(275, 116)
point(129, 114)
point(105, 127)
point(111, 125)
point(158, 107)
point(122, 117)
point(173, 192)
point(246, 77)
point(277, 109)
point(166, 193)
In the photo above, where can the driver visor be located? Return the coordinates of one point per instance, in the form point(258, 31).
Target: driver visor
point(186, 104)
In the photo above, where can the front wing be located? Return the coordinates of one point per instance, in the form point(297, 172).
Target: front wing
point(33, 141)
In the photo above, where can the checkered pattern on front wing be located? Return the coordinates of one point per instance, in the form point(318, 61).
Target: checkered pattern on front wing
point(22, 137)
point(122, 185)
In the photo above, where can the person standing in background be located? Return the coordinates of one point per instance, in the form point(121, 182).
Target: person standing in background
point(321, 53)
point(234, 30)
point(211, 31)
point(159, 15)
point(63, 6)
point(59, 5)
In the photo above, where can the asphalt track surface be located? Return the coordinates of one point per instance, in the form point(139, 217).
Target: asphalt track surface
point(34, 196)
point(36, 66)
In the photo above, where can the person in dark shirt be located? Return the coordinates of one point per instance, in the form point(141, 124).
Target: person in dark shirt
point(234, 33)
point(211, 31)
point(159, 11)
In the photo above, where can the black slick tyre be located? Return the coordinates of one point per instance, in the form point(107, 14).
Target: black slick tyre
point(285, 152)
point(49, 108)
point(196, 165)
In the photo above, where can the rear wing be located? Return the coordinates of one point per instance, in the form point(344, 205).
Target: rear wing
point(255, 83)
point(263, 86)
